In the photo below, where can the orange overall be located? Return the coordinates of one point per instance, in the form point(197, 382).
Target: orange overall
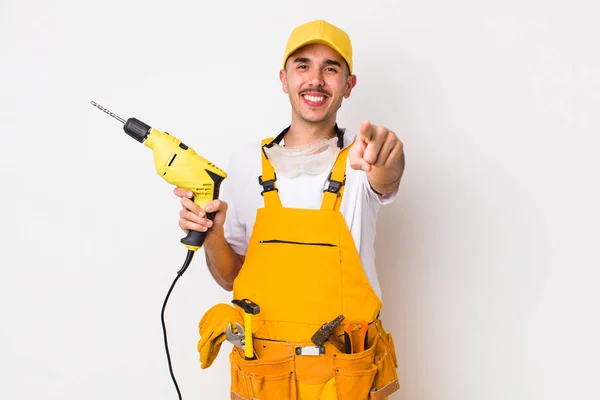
point(302, 268)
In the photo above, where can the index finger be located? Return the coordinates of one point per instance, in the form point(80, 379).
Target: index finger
point(216, 205)
point(180, 192)
point(366, 130)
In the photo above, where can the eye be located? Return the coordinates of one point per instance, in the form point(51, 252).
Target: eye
point(331, 69)
point(302, 66)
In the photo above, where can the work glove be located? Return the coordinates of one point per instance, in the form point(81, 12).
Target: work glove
point(212, 331)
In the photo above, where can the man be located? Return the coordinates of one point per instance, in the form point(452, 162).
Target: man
point(301, 214)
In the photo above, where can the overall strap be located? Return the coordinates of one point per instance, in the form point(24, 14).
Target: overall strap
point(332, 197)
point(268, 179)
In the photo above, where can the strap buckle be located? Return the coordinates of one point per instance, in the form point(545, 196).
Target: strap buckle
point(269, 185)
point(334, 186)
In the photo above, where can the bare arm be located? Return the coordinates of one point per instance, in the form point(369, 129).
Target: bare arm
point(223, 263)
point(379, 153)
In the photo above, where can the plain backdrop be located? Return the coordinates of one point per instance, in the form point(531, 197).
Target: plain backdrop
point(488, 259)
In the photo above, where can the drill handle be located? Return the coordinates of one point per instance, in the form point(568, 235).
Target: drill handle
point(195, 239)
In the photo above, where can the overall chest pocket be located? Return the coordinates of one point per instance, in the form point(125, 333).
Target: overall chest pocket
point(289, 250)
point(279, 241)
point(293, 277)
point(312, 259)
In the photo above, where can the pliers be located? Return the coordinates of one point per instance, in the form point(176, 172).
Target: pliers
point(363, 327)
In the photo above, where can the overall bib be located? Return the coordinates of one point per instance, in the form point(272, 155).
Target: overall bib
point(303, 270)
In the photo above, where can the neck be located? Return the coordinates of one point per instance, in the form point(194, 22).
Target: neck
point(302, 132)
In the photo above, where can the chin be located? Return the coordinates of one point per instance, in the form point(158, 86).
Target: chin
point(314, 119)
point(309, 115)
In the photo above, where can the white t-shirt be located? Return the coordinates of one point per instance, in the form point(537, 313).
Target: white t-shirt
point(360, 204)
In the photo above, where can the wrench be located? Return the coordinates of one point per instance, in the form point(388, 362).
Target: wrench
point(237, 339)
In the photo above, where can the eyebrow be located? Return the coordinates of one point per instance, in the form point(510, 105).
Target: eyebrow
point(327, 62)
point(302, 60)
point(333, 62)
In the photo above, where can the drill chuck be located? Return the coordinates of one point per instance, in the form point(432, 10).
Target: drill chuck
point(137, 129)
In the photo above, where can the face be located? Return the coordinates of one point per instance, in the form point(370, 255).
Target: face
point(316, 80)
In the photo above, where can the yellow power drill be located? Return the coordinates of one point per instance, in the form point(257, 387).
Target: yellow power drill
point(179, 165)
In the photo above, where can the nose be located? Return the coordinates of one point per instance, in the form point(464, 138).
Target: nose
point(316, 77)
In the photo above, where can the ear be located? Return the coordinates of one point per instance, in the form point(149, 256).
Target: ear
point(283, 79)
point(351, 82)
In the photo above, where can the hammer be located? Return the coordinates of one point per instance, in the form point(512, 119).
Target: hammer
point(250, 308)
point(325, 332)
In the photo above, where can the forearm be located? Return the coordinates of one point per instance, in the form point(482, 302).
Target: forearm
point(223, 263)
point(386, 178)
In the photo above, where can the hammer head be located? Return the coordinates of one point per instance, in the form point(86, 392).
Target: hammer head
point(325, 331)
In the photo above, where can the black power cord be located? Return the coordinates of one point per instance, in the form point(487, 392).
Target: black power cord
point(186, 263)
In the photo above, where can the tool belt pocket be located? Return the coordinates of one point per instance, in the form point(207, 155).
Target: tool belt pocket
point(386, 379)
point(355, 373)
point(261, 379)
point(368, 375)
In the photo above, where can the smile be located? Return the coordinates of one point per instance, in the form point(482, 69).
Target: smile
point(314, 100)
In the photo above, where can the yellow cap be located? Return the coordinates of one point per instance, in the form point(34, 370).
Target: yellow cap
point(320, 32)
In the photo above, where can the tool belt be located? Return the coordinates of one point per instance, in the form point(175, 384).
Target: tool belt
point(297, 371)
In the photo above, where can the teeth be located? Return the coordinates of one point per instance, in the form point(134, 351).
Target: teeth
point(314, 99)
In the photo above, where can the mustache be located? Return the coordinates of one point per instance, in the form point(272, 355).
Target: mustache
point(323, 91)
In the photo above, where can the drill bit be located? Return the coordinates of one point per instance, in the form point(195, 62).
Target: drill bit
point(112, 114)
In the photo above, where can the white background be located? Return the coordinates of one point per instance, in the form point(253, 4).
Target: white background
point(488, 259)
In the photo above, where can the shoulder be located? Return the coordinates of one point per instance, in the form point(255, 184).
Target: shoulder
point(245, 151)
point(243, 169)
point(243, 157)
